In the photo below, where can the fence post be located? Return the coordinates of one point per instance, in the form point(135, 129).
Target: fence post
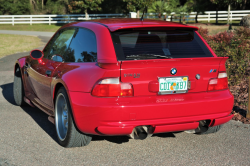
point(231, 17)
point(68, 19)
point(30, 20)
point(132, 14)
point(13, 21)
point(49, 20)
point(208, 17)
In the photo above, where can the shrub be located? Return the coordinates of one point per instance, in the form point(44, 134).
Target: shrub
point(234, 45)
point(204, 33)
point(243, 32)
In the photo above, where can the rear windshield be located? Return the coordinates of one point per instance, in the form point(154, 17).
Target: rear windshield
point(155, 44)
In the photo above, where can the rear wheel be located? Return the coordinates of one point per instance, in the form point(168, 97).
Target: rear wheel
point(18, 90)
point(210, 130)
point(204, 128)
point(67, 133)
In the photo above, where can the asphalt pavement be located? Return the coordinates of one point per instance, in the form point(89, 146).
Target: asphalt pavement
point(28, 138)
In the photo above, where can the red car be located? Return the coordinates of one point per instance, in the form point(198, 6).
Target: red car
point(125, 77)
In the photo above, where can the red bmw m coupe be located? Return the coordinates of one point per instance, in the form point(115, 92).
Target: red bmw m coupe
point(130, 77)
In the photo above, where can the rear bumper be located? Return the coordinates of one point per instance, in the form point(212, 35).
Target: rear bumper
point(165, 113)
point(162, 125)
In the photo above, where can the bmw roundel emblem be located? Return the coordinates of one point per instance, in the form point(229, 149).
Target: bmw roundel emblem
point(173, 71)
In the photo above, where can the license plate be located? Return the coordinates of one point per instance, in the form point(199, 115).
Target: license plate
point(170, 85)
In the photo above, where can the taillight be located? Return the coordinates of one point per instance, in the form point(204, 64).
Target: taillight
point(219, 83)
point(112, 87)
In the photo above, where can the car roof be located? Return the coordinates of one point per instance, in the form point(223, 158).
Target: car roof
point(115, 24)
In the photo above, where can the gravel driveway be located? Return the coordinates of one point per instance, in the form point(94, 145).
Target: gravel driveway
point(28, 138)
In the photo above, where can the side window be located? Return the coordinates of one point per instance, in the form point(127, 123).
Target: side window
point(83, 47)
point(60, 45)
point(48, 46)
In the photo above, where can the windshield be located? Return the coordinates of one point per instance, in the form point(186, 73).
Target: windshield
point(158, 44)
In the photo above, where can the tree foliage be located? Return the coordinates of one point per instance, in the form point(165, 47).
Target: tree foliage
point(164, 6)
point(84, 5)
point(14, 7)
point(227, 2)
point(135, 5)
point(55, 6)
point(117, 6)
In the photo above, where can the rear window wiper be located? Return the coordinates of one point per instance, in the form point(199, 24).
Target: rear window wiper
point(148, 56)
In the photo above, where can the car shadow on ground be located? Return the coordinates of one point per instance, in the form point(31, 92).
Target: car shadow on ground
point(37, 115)
point(41, 119)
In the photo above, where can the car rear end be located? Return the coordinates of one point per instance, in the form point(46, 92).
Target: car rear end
point(170, 80)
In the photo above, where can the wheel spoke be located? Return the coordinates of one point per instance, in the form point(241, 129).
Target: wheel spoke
point(61, 116)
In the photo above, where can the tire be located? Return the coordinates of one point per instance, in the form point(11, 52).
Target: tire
point(210, 130)
point(18, 90)
point(67, 133)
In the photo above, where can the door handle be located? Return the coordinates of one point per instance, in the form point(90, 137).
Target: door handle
point(48, 72)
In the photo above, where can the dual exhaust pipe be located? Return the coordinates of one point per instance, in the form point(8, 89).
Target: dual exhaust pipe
point(143, 132)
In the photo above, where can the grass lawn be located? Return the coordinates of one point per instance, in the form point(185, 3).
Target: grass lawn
point(214, 29)
point(11, 44)
point(35, 27)
point(220, 22)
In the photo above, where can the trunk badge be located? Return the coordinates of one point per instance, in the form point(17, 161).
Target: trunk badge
point(197, 76)
point(173, 71)
point(134, 75)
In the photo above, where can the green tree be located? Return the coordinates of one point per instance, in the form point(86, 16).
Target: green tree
point(55, 6)
point(118, 6)
point(169, 6)
point(84, 6)
point(164, 6)
point(137, 5)
point(14, 7)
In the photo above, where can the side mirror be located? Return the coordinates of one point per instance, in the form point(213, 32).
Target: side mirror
point(57, 58)
point(36, 54)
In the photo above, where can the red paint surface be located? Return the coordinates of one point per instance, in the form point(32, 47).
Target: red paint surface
point(148, 110)
point(119, 115)
point(222, 120)
point(176, 127)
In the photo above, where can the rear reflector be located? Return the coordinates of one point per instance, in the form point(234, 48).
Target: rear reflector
point(222, 75)
point(219, 83)
point(112, 87)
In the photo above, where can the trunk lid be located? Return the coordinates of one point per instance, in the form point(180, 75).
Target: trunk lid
point(144, 74)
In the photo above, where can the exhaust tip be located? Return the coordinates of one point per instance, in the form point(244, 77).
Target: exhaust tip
point(141, 132)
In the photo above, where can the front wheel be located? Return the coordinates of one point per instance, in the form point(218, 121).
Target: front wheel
point(18, 90)
point(67, 133)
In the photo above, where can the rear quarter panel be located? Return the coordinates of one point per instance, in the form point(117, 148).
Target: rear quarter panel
point(81, 77)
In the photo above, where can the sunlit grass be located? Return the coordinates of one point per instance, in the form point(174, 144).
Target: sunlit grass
point(27, 27)
point(11, 44)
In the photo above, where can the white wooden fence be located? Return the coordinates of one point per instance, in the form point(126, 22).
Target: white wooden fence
point(207, 16)
point(53, 19)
